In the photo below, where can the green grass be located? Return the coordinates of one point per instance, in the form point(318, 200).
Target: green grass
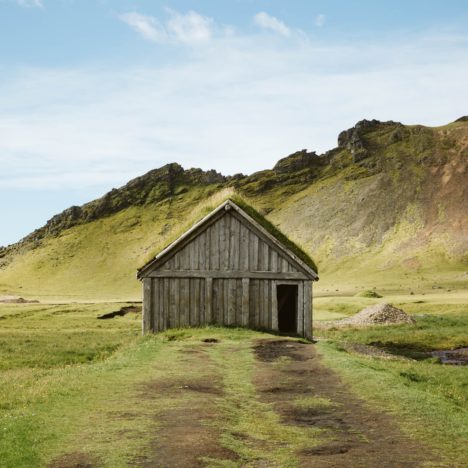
point(369, 293)
point(251, 428)
point(46, 336)
point(60, 368)
point(73, 383)
point(428, 400)
point(441, 321)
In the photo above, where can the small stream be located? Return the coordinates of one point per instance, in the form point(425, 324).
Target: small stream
point(457, 357)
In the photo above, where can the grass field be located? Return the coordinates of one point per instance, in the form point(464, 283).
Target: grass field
point(74, 386)
point(430, 399)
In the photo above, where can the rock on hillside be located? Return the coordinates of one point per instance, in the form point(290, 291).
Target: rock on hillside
point(389, 200)
point(151, 188)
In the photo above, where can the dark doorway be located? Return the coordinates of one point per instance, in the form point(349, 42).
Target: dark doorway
point(287, 308)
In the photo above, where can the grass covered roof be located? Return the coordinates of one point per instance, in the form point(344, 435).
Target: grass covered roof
point(210, 205)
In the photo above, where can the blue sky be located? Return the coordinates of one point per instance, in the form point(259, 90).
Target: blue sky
point(95, 92)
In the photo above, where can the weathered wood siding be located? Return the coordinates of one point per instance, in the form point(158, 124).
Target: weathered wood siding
point(228, 245)
point(226, 275)
point(182, 302)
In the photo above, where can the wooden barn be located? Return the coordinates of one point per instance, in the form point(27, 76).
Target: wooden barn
point(233, 268)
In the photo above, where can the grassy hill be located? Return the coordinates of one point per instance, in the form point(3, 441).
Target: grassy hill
point(386, 208)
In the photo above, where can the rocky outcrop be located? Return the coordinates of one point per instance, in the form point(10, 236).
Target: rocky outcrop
point(299, 161)
point(152, 187)
point(354, 139)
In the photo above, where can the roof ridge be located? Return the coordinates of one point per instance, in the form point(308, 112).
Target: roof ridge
point(253, 217)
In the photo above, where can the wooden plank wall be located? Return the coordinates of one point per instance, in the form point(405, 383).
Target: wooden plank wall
point(183, 302)
point(225, 251)
point(229, 245)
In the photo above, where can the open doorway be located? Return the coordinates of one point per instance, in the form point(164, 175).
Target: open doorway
point(287, 307)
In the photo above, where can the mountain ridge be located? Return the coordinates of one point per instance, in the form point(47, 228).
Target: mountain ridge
point(386, 189)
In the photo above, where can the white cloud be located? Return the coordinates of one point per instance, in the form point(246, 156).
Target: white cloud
point(145, 25)
point(266, 21)
point(29, 3)
point(189, 28)
point(320, 20)
point(237, 106)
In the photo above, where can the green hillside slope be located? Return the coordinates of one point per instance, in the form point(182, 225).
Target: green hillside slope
point(386, 208)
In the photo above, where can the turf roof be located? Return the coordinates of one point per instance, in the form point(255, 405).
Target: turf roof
point(256, 216)
point(274, 231)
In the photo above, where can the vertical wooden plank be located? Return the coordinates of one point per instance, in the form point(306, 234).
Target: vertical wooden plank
point(260, 255)
point(161, 304)
point(221, 302)
point(183, 306)
point(196, 253)
point(215, 245)
point(169, 265)
point(245, 301)
point(165, 303)
point(176, 261)
point(239, 319)
point(308, 309)
point(244, 252)
point(274, 306)
point(222, 242)
point(273, 260)
point(254, 252)
point(162, 299)
point(284, 265)
point(265, 254)
point(254, 305)
point(231, 301)
point(182, 258)
point(209, 300)
point(172, 303)
point(225, 252)
point(197, 302)
point(260, 298)
point(300, 309)
point(156, 305)
point(267, 307)
point(225, 302)
point(190, 302)
point(215, 301)
point(202, 302)
point(187, 250)
point(147, 306)
point(201, 251)
point(178, 294)
point(193, 302)
point(208, 248)
point(234, 240)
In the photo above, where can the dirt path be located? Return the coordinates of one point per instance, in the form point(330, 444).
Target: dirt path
point(186, 435)
point(193, 413)
point(358, 435)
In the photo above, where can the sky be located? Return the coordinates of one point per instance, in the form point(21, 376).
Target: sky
point(96, 92)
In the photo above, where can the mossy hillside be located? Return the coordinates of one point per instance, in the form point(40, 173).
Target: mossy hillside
point(99, 259)
point(385, 209)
